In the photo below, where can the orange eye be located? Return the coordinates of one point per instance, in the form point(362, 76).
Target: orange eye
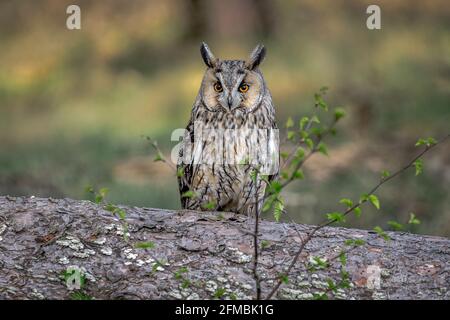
point(218, 87)
point(244, 87)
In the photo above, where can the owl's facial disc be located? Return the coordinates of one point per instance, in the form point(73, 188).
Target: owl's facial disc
point(232, 86)
point(229, 97)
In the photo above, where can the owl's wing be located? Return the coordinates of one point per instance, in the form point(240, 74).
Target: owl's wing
point(185, 170)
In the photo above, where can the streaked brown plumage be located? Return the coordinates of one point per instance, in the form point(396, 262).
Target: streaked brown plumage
point(232, 124)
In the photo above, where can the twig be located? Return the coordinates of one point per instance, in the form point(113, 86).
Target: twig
point(328, 222)
point(294, 151)
point(163, 159)
point(255, 246)
point(313, 150)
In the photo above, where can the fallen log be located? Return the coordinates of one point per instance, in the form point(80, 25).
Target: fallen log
point(199, 255)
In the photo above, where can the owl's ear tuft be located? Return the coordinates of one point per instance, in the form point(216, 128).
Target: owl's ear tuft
point(207, 55)
point(256, 57)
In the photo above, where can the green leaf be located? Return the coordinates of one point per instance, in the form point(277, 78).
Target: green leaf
point(421, 142)
point(339, 113)
point(278, 209)
point(155, 266)
point(413, 219)
point(188, 194)
point(179, 273)
point(275, 186)
point(431, 141)
point(145, 245)
point(385, 174)
point(309, 143)
point(363, 198)
point(265, 244)
point(303, 122)
point(317, 131)
point(103, 192)
point(289, 123)
point(319, 102)
point(345, 282)
point(116, 210)
point(418, 164)
point(298, 174)
point(331, 285)
point(426, 142)
point(354, 242)
point(343, 258)
point(284, 278)
point(110, 207)
point(315, 119)
point(210, 205)
point(347, 202)
point(300, 153)
point(244, 161)
point(322, 148)
point(374, 200)
point(265, 178)
point(304, 134)
point(320, 296)
point(219, 293)
point(336, 216)
point(79, 295)
point(357, 211)
point(291, 135)
point(180, 172)
point(186, 283)
point(323, 90)
point(254, 174)
point(98, 198)
point(395, 225)
point(158, 157)
point(284, 155)
point(89, 189)
point(381, 233)
point(121, 213)
point(268, 203)
point(319, 263)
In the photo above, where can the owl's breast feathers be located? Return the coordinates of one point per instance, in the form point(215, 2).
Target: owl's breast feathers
point(218, 154)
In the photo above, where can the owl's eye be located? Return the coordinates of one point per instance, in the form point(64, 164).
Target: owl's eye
point(244, 87)
point(218, 87)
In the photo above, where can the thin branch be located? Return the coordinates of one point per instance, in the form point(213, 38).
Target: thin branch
point(313, 150)
point(298, 145)
point(163, 159)
point(328, 222)
point(255, 246)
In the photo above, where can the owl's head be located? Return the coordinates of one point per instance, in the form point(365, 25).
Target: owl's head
point(232, 84)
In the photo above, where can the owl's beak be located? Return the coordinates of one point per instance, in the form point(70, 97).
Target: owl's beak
point(230, 101)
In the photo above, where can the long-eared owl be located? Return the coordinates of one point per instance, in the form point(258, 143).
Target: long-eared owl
point(230, 147)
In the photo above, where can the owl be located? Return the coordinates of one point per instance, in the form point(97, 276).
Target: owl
point(229, 151)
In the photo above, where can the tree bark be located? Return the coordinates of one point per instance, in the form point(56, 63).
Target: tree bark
point(40, 238)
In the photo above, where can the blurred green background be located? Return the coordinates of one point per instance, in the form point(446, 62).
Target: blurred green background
point(74, 104)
